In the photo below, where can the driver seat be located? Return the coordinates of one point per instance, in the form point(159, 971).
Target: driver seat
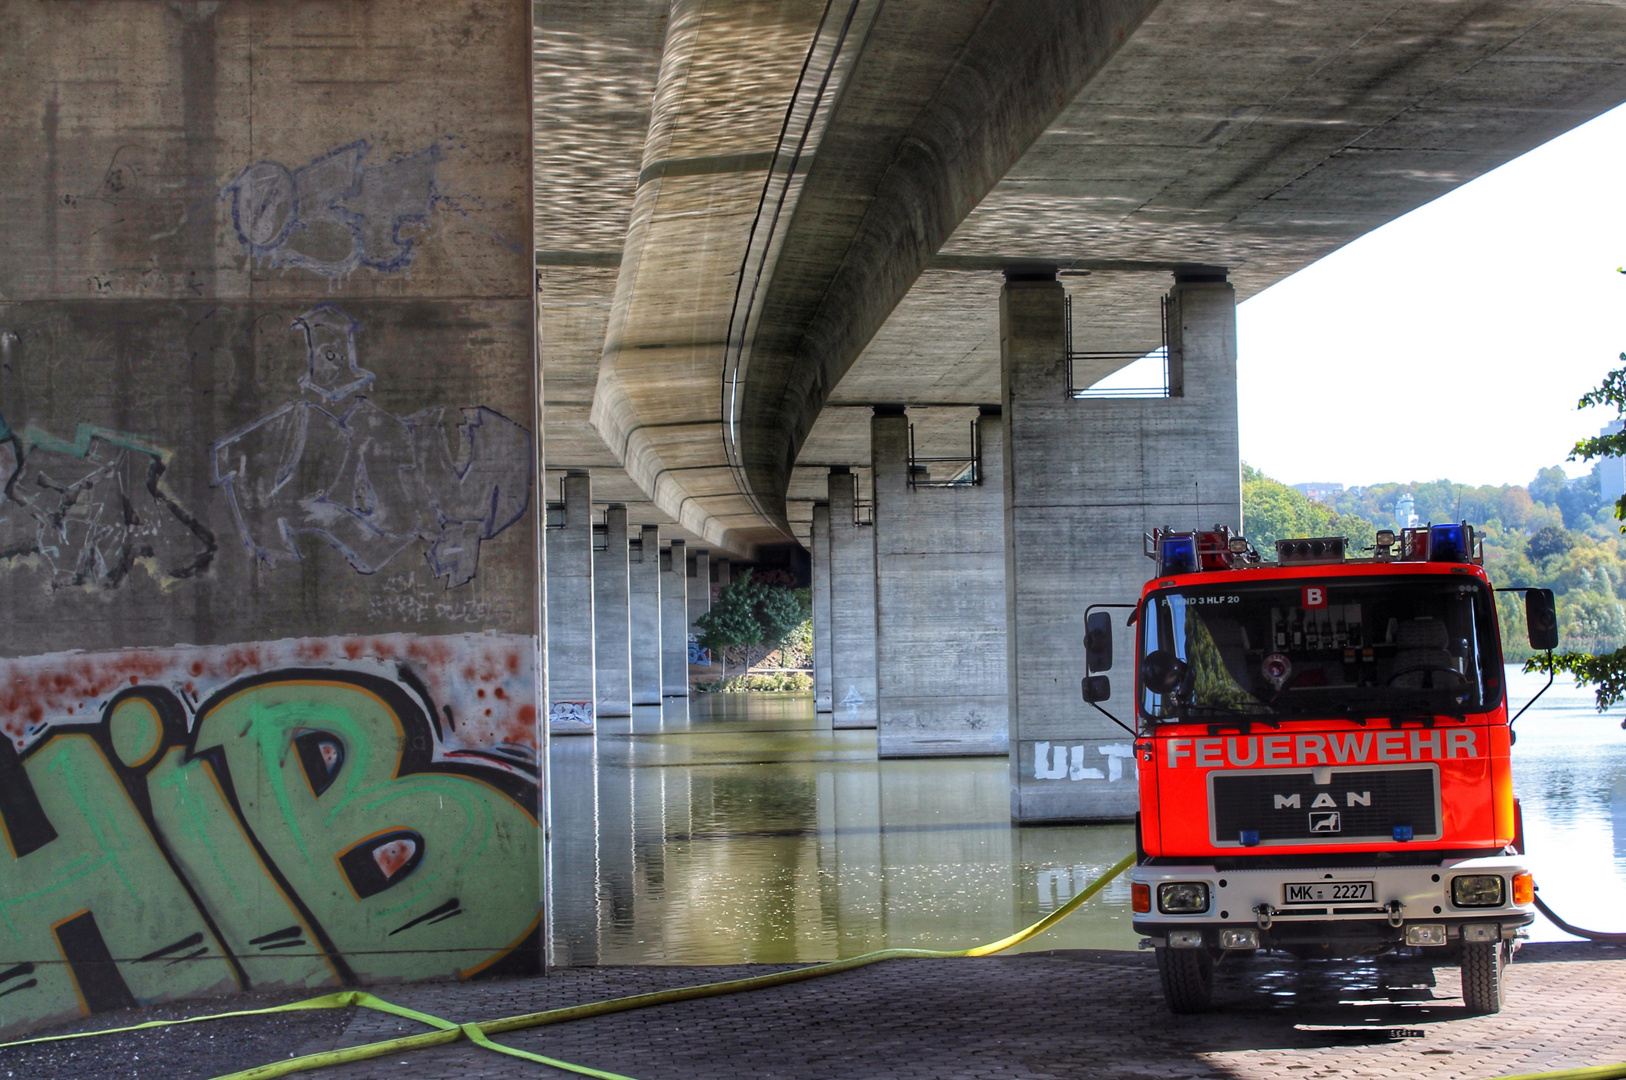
point(1423, 659)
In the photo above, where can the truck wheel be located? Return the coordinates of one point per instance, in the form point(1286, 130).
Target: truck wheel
point(1188, 979)
point(1484, 969)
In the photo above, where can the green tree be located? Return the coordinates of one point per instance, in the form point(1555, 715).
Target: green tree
point(751, 616)
point(1606, 672)
point(1272, 511)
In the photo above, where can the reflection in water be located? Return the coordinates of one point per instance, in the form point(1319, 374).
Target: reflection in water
point(742, 828)
point(1569, 771)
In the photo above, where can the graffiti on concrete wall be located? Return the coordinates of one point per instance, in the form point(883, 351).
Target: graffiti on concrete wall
point(364, 481)
point(566, 717)
point(338, 213)
point(91, 510)
point(1068, 762)
point(194, 821)
point(699, 655)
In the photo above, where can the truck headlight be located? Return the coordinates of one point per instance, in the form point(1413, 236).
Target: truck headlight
point(1477, 890)
point(1182, 897)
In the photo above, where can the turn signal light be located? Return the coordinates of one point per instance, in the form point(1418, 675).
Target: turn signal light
point(1140, 898)
point(1524, 888)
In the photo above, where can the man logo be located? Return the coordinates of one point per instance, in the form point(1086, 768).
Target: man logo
point(1280, 802)
point(1325, 822)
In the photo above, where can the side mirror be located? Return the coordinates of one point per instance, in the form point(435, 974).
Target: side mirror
point(1098, 643)
point(1541, 618)
point(1097, 688)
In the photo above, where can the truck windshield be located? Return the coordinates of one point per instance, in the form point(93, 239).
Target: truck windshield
point(1320, 647)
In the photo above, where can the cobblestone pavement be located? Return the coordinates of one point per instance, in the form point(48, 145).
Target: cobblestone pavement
point(1038, 1015)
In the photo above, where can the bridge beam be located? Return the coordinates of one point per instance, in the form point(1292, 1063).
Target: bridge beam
point(939, 598)
point(1084, 478)
point(644, 588)
point(612, 649)
point(570, 612)
point(675, 620)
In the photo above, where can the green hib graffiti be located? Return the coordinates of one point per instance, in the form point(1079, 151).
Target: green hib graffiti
point(103, 860)
point(370, 851)
point(299, 835)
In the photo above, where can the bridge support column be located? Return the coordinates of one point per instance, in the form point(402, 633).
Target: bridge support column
point(821, 607)
point(699, 592)
point(675, 620)
point(852, 607)
point(570, 612)
point(644, 594)
point(939, 600)
point(1083, 481)
point(612, 649)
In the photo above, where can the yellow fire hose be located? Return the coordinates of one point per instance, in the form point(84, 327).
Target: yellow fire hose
point(480, 1033)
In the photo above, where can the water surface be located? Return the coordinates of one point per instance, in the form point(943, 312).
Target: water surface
point(742, 828)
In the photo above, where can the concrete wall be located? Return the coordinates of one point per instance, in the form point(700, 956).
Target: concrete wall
point(939, 600)
point(1084, 480)
point(675, 621)
point(644, 593)
point(571, 692)
point(821, 607)
point(267, 405)
point(852, 609)
point(612, 647)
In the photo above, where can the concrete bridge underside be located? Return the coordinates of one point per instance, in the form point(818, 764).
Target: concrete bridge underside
point(757, 219)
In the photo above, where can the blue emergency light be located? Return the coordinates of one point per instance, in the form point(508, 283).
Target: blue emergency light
point(1448, 543)
point(1177, 555)
point(1402, 833)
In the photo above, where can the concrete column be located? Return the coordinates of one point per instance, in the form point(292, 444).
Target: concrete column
point(570, 612)
point(821, 607)
point(1083, 481)
point(725, 573)
point(644, 594)
point(675, 621)
point(939, 600)
point(612, 618)
point(699, 588)
point(852, 608)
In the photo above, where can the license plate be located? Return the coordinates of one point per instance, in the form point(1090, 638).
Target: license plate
point(1327, 892)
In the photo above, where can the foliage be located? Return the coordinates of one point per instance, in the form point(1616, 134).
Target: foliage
point(751, 618)
point(1272, 511)
point(781, 682)
point(1549, 540)
point(1597, 626)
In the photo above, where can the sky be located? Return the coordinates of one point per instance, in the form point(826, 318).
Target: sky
point(1454, 341)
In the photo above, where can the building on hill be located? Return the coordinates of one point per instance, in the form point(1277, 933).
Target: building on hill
point(1319, 492)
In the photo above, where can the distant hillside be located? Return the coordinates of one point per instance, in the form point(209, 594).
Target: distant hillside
point(1554, 533)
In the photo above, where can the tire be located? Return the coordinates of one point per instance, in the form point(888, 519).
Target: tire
point(1188, 979)
point(1484, 971)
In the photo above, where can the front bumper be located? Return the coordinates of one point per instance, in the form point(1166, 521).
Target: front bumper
point(1404, 897)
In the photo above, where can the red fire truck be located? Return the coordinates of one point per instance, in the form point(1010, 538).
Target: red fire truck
point(1322, 743)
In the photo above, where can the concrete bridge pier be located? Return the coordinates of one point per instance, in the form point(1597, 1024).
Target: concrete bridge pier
point(644, 597)
point(611, 617)
point(1083, 480)
point(821, 607)
point(699, 588)
point(852, 606)
point(939, 598)
point(675, 620)
point(571, 690)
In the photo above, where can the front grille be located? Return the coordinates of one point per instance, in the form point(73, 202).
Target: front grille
point(1355, 805)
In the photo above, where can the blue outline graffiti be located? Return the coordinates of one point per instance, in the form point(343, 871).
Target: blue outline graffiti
point(366, 481)
point(335, 214)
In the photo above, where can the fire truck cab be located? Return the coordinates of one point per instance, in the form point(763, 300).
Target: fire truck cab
point(1322, 744)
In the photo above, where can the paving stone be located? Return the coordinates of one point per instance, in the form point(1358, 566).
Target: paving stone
point(1036, 1016)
